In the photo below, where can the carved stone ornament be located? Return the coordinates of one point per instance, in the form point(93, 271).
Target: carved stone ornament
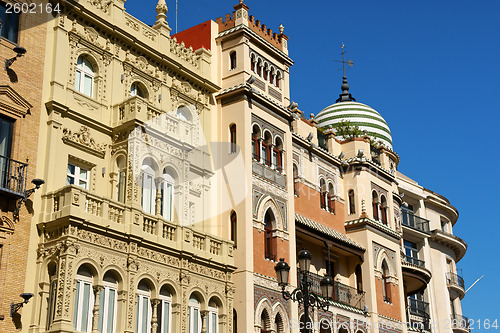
point(101, 4)
point(83, 141)
point(184, 53)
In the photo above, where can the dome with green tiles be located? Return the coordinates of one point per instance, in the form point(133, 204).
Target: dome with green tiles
point(347, 109)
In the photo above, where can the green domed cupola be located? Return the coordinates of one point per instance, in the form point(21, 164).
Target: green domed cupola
point(347, 109)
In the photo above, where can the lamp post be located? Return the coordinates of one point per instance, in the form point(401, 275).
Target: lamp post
point(302, 293)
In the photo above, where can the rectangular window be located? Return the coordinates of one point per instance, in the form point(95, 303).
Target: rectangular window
point(212, 322)
point(167, 191)
point(10, 23)
point(51, 302)
point(194, 320)
point(120, 187)
point(107, 310)
point(411, 250)
point(148, 193)
point(164, 313)
point(143, 314)
point(84, 302)
point(6, 134)
point(77, 175)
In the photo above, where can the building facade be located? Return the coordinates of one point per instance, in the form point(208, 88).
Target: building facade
point(178, 172)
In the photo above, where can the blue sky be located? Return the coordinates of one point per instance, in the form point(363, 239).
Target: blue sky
point(431, 69)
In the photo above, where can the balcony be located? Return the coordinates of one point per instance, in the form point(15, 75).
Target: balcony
point(457, 244)
point(418, 313)
point(460, 324)
point(270, 172)
point(415, 222)
point(455, 283)
point(342, 293)
point(415, 275)
point(76, 205)
point(136, 108)
point(12, 177)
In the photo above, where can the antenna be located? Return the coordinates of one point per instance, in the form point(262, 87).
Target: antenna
point(473, 284)
point(176, 11)
point(350, 63)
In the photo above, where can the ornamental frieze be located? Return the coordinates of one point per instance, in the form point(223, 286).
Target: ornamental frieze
point(158, 257)
point(114, 244)
point(83, 141)
point(206, 271)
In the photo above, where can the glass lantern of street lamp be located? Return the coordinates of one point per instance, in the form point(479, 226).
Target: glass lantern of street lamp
point(326, 285)
point(282, 270)
point(304, 257)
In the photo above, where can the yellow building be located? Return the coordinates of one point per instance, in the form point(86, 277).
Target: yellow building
point(178, 173)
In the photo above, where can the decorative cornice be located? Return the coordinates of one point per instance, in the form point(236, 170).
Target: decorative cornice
point(13, 103)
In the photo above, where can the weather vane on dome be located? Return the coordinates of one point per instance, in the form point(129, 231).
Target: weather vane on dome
point(345, 96)
point(348, 62)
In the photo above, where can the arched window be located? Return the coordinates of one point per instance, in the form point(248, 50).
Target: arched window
point(322, 190)
point(108, 304)
point(167, 195)
point(144, 311)
point(352, 204)
point(232, 60)
point(256, 143)
point(359, 278)
point(137, 90)
point(264, 321)
point(259, 67)
point(183, 113)
point(386, 284)
point(84, 78)
point(252, 63)
point(269, 240)
point(330, 198)
point(148, 188)
point(266, 148)
point(325, 326)
point(295, 180)
point(164, 311)
point(213, 317)
point(194, 315)
point(266, 70)
point(375, 205)
point(278, 155)
point(278, 324)
point(84, 300)
point(121, 179)
point(232, 134)
point(233, 227)
point(272, 75)
point(51, 306)
point(383, 209)
point(278, 79)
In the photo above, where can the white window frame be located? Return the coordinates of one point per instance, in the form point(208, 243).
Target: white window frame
point(167, 200)
point(104, 316)
point(165, 300)
point(193, 307)
point(148, 174)
point(81, 282)
point(136, 90)
point(82, 71)
point(213, 314)
point(76, 176)
point(141, 296)
point(120, 185)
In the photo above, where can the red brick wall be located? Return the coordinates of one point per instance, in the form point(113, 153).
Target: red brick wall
point(263, 265)
point(390, 310)
point(28, 70)
point(307, 204)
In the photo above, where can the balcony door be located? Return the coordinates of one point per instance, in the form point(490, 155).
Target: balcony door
point(6, 130)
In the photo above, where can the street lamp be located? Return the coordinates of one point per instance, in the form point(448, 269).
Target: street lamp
point(302, 294)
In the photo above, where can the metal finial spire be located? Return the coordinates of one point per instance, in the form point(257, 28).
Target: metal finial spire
point(345, 96)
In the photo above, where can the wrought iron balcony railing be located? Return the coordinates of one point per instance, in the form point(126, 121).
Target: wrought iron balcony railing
point(460, 322)
point(415, 222)
point(414, 261)
point(418, 307)
point(13, 176)
point(452, 278)
point(341, 293)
